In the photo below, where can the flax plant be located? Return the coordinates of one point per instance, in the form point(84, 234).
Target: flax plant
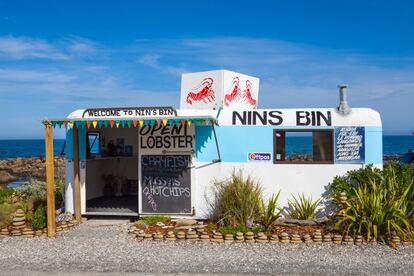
point(380, 207)
point(302, 208)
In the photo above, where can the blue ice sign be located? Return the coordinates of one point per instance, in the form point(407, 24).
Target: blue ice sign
point(349, 145)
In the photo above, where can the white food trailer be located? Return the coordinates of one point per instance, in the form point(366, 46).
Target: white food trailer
point(161, 160)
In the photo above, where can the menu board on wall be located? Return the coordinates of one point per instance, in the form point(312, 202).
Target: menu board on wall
point(349, 145)
point(166, 184)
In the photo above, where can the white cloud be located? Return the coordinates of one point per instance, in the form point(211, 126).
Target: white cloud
point(153, 60)
point(82, 46)
point(24, 76)
point(150, 60)
point(24, 47)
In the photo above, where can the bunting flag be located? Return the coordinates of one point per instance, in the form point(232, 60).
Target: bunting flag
point(129, 123)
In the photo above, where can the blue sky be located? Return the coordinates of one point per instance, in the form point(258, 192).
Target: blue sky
point(55, 58)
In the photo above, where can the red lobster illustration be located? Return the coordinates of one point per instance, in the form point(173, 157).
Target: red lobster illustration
point(235, 94)
point(206, 93)
point(247, 94)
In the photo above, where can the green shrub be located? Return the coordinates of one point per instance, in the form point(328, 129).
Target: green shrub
point(5, 194)
point(302, 207)
point(380, 203)
point(149, 220)
point(210, 227)
point(353, 179)
point(230, 229)
point(6, 212)
point(237, 201)
point(33, 189)
point(270, 215)
point(39, 218)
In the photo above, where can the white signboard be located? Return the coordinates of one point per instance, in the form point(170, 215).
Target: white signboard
point(221, 88)
point(128, 112)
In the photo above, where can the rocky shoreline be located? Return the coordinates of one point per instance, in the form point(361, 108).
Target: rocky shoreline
point(13, 169)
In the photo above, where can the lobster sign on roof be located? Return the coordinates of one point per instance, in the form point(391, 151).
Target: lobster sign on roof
point(219, 89)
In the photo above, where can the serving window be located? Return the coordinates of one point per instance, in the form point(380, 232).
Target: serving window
point(303, 146)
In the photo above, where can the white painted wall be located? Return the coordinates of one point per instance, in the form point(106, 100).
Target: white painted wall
point(290, 179)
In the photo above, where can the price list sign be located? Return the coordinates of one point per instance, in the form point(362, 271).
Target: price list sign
point(349, 145)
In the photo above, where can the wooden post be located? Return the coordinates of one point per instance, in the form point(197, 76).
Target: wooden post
point(50, 180)
point(76, 172)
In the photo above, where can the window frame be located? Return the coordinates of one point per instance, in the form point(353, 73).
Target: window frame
point(312, 130)
point(89, 154)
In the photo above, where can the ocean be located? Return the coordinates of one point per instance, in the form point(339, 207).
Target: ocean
point(393, 145)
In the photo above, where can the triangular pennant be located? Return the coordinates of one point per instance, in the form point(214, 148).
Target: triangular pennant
point(182, 122)
point(164, 122)
point(111, 123)
point(177, 122)
point(77, 124)
point(117, 123)
point(54, 124)
point(88, 124)
point(60, 124)
point(152, 122)
point(129, 123)
point(123, 123)
point(141, 123)
point(135, 123)
point(65, 124)
point(189, 122)
point(95, 124)
point(70, 124)
point(105, 123)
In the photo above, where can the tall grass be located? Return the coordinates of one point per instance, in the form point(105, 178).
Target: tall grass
point(237, 201)
point(302, 208)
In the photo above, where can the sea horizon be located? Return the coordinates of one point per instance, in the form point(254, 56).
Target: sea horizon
point(393, 145)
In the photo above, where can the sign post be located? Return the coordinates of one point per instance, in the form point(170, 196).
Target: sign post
point(50, 180)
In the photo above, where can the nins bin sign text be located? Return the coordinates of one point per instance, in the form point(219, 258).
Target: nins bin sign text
point(277, 118)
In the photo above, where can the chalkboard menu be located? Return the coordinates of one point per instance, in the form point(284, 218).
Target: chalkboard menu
point(349, 145)
point(166, 184)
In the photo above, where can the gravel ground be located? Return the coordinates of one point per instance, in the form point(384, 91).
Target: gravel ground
point(101, 248)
